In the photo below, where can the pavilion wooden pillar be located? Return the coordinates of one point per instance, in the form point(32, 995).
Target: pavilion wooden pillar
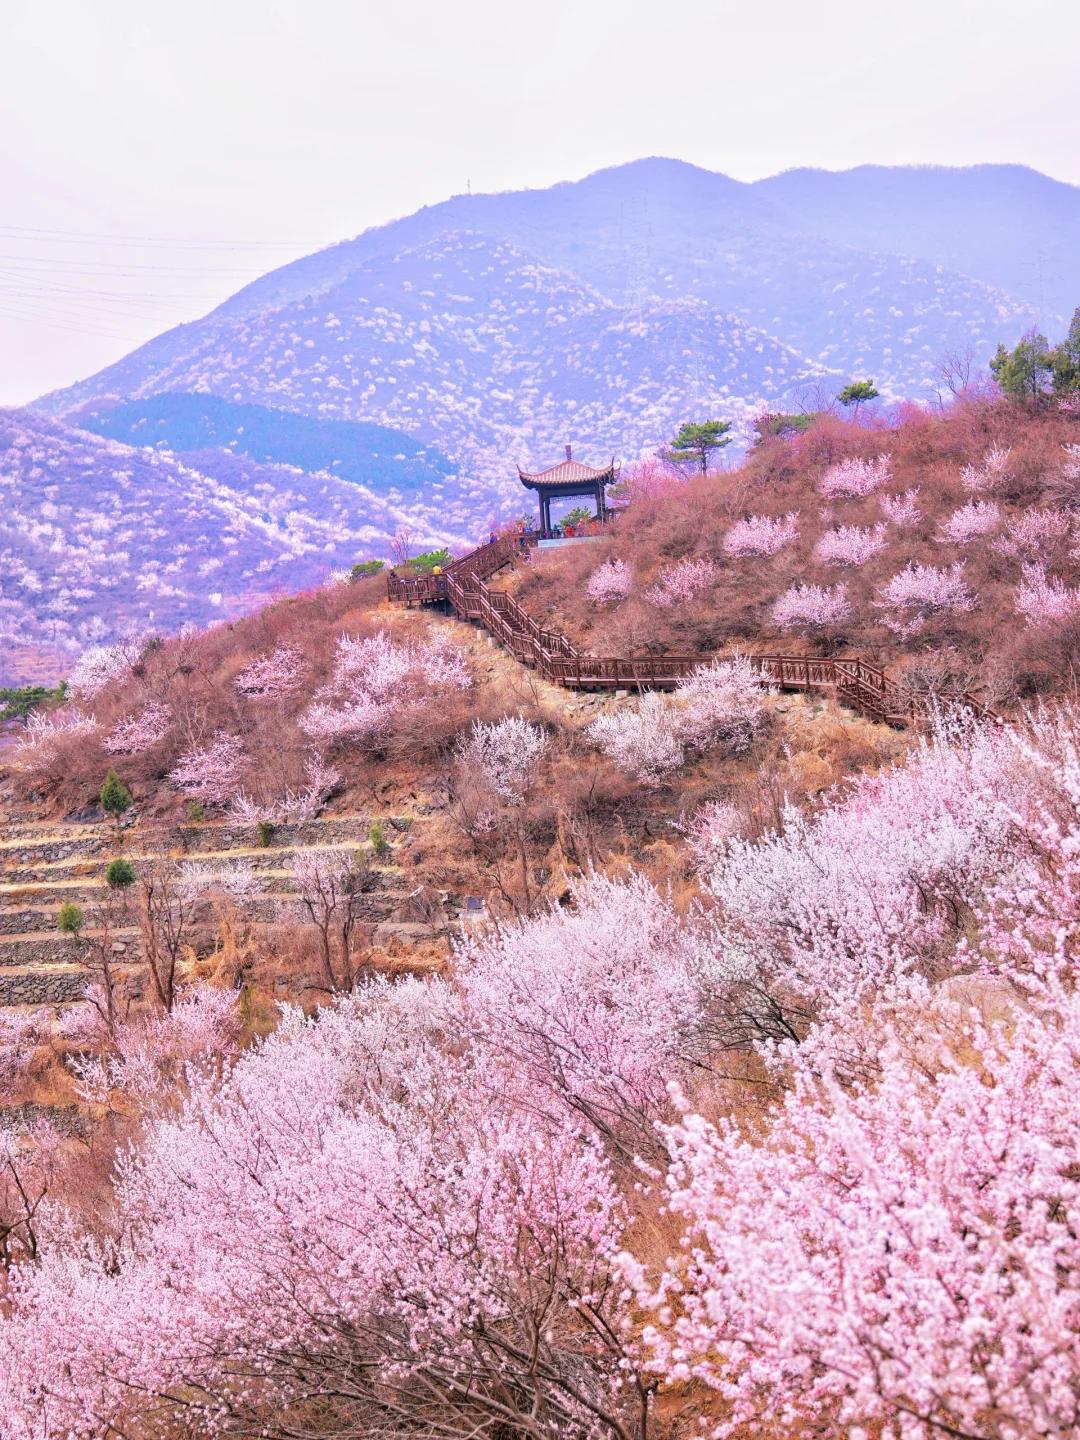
point(568, 479)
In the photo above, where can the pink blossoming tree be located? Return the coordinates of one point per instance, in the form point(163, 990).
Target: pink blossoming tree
point(507, 753)
point(274, 675)
point(977, 518)
point(103, 665)
point(923, 590)
point(850, 545)
point(611, 581)
point(375, 676)
point(811, 608)
point(902, 510)
point(1034, 535)
point(975, 478)
point(856, 477)
point(682, 582)
point(212, 774)
point(1043, 599)
point(762, 534)
point(140, 732)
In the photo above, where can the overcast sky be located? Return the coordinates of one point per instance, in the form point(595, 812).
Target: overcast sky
point(157, 154)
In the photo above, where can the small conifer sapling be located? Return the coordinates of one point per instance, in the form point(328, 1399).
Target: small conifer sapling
point(115, 798)
point(120, 874)
point(69, 919)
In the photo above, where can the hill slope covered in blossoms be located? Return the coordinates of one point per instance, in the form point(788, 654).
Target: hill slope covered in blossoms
point(100, 540)
point(474, 344)
point(944, 546)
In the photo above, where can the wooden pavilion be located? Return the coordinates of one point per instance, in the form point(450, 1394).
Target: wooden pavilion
point(568, 479)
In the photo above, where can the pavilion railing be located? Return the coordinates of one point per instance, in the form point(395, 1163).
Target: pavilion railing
point(863, 687)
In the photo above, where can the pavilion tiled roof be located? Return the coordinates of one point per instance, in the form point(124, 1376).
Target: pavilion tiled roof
point(570, 472)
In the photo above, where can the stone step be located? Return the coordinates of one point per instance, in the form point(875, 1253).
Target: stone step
point(38, 832)
point(51, 891)
point(275, 907)
point(42, 985)
point(92, 870)
point(51, 842)
point(262, 863)
point(36, 947)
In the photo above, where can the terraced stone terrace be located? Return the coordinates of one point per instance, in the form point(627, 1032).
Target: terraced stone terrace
point(45, 863)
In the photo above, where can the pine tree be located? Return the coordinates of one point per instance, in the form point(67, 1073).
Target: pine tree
point(1065, 360)
point(115, 798)
point(1024, 373)
point(695, 443)
point(857, 394)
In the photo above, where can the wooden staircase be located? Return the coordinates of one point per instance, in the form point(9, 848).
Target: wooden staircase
point(463, 587)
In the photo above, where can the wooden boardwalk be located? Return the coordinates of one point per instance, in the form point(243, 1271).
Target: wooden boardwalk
point(463, 587)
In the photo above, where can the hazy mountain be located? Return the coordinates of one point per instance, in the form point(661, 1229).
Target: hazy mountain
point(1006, 225)
point(98, 539)
point(384, 460)
point(870, 272)
point(474, 344)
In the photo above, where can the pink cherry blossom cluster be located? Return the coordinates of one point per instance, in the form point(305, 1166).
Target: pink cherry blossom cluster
point(140, 732)
point(811, 608)
point(375, 1189)
point(718, 706)
point(507, 753)
point(593, 1005)
point(856, 477)
point(850, 545)
point(41, 747)
point(375, 676)
point(902, 510)
point(1033, 535)
point(762, 534)
point(325, 875)
point(146, 1056)
point(846, 1276)
point(834, 1270)
point(1043, 599)
point(920, 591)
point(682, 582)
point(644, 741)
point(21, 1033)
point(213, 773)
point(983, 477)
point(721, 706)
point(976, 518)
point(103, 665)
point(294, 807)
point(274, 675)
point(611, 581)
point(713, 826)
point(879, 883)
point(238, 881)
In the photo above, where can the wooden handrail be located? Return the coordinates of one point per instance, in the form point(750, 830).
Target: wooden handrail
point(862, 686)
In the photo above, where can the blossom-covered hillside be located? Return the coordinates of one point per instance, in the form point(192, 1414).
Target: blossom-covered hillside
point(946, 545)
point(99, 540)
point(475, 344)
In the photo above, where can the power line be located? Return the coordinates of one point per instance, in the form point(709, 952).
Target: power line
point(79, 237)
